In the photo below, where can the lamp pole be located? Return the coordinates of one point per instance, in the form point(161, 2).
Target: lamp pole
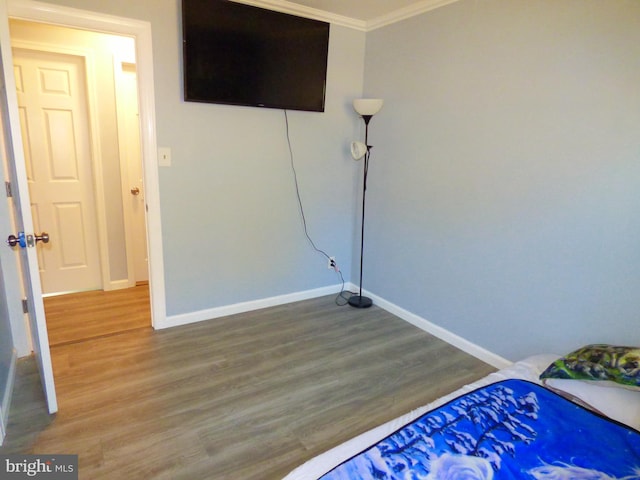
point(367, 108)
point(359, 301)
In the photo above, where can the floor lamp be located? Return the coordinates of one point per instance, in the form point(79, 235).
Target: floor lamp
point(366, 108)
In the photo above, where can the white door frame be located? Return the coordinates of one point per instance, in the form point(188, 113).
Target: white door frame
point(70, 17)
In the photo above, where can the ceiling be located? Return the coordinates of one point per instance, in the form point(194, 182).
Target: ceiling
point(360, 14)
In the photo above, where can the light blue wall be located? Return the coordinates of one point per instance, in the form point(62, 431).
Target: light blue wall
point(232, 231)
point(505, 181)
point(243, 238)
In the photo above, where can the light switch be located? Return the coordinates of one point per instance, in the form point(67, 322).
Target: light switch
point(164, 156)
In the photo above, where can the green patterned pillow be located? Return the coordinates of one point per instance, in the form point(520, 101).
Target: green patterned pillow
point(600, 363)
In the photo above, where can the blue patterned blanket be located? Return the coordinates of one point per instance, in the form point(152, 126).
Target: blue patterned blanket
point(512, 429)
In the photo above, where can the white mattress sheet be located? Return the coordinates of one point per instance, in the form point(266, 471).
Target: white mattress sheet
point(527, 369)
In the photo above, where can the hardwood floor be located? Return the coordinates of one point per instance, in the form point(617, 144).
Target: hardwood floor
point(248, 396)
point(81, 316)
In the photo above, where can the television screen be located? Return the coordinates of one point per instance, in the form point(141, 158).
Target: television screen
point(238, 54)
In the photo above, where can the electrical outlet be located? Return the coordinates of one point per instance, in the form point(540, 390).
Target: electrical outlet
point(331, 264)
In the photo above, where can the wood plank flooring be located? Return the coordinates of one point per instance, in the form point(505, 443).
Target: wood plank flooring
point(248, 396)
point(80, 316)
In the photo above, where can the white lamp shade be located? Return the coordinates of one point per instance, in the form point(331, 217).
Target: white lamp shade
point(367, 106)
point(358, 150)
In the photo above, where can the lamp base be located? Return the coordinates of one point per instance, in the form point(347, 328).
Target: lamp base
point(359, 301)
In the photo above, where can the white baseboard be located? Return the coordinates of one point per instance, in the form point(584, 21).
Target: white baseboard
point(435, 330)
point(118, 285)
point(442, 333)
point(217, 312)
point(6, 398)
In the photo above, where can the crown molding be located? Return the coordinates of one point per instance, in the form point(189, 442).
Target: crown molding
point(407, 12)
point(284, 6)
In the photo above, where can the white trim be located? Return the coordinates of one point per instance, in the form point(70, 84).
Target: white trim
point(417, 8)
point(141, 31)
point(435, 330)
point(284, 6)
point(217, 312)
point(6, 398)
point(307, 12)
point(31, 10)
point(442, 333)
point(149, 150)
point(120, 284)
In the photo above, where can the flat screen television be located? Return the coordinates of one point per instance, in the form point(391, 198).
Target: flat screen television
point(239, 54)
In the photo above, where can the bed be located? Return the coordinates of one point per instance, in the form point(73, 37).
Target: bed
point(580, 420)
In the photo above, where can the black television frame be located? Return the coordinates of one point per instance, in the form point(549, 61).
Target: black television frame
point(240, 54)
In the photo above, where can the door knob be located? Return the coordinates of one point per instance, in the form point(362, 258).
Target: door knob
point(27, 240)
point(135, 191)
point(14, 240)
point(43, 237)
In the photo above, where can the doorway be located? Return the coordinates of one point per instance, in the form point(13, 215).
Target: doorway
point(77, 93)
point(29, 331)
point(82, 316)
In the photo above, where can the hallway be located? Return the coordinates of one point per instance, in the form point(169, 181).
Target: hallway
point(81, 316)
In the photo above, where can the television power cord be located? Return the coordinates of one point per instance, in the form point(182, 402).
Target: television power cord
point(341, 295)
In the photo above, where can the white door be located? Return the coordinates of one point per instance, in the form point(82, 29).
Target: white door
point(52, 99)
point(23, 222)
point(129, 134)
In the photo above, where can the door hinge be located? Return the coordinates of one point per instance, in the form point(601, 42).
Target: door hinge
point(7, 186)
point(25, 306)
